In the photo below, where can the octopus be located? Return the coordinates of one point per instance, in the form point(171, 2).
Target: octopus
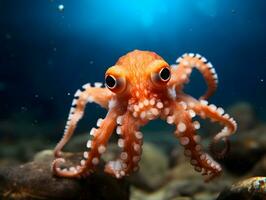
point(141, 87)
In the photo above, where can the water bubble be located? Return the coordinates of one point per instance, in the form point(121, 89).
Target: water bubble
point(61, 7)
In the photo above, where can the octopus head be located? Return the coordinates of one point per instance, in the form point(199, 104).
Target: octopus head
point(140, 78)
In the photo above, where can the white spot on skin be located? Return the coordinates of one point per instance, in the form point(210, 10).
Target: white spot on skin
point(203, 59)
point(93, 131)
point(212, 70)
point(166, 111)
point(77, 94)
point(136, 159)
point(172, 93)
point(183, 104)
point(86, 154)
point(146, 102)
point(143, 115)
point(99, 122)
point(119, 120)
point(98, 84)
point(95, 161)
point(220, 111)
point(154, 111)
point(203, 156)
point(136, 147)
point(101, 149)
point(82, 162)
point(115, 165)
point(86, 86)
point(181, 127)
point(72, 169)
point(121, 143)
point(124, 155)
point(192, 113)
point(159, 105)
point(204, 102)
point(196, 125)
point(136, 108)
point(90, 99)
point(212, 107)
point(112, 103)
point(89, 144)
point(185, 63)
point(184, 141)
point(74, 102)
point(198, 55)
point(119, 130)
point(196, 138)
point(178, 60)
point(170, 119)
point(138, 135)
point(135, 114)
point(152, 102)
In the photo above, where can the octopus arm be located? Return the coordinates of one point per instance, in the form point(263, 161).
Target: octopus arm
point(182, 70)
point(88, 94)
point(131, 143)
point(95, 147)
point(186, 133)
point(216, 114)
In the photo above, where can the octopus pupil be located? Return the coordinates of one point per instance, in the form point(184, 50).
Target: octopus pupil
point(165, 74)
point(110, 81)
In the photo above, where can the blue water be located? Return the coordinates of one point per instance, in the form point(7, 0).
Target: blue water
point(46, 53)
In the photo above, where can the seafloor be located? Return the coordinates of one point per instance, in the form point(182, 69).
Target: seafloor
point(165, 174)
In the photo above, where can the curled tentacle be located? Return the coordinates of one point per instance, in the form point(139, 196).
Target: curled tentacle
point(95, 147)
point(222, 153)
point(214, 113)
point(183, 69)
point(131, 143)
point(186, 133)
point(89, 94)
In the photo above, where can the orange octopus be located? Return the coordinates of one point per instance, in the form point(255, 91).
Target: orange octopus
point(141, 87)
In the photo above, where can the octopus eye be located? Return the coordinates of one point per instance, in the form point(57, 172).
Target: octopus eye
point(115, 83)
point(165, 74)
point(110, 82)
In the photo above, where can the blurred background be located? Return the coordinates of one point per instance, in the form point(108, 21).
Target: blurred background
point(50, 48)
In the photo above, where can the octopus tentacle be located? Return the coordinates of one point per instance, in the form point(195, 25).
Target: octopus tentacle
point(220, 154)
point(96, 147)
point(186, 133)
point(216, 114)
point(89, 94)
point(130, 142)
point(183, 69)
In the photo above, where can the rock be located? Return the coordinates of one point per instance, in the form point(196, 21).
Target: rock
point(23, 149)
point(252, 188)
point(247, 148)
point(244, 114)
point(260, 168)
point(34, 180)
point(205, 196)
point(152, 168)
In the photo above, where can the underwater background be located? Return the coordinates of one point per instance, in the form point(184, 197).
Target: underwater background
point(50, 48)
